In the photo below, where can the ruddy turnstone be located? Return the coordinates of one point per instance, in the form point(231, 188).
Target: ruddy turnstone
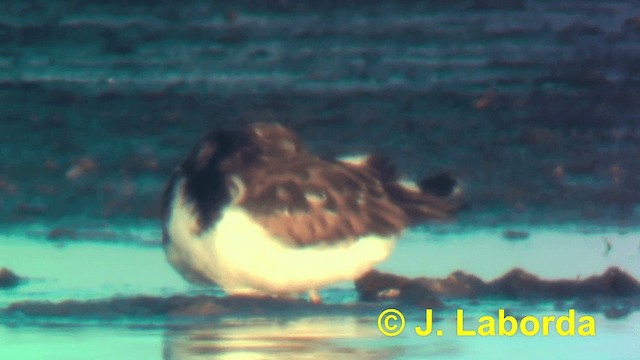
point(256, 213)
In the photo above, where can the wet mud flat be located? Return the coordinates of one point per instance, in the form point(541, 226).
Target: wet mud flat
point(614, 293)
point(199, 327)
point(532, 103)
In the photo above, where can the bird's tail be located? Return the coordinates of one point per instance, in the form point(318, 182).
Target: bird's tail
point(436, 197)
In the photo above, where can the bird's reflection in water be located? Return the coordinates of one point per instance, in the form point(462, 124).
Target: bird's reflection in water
point(261, 338)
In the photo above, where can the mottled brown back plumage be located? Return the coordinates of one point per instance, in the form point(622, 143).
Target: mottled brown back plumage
point(303, 199)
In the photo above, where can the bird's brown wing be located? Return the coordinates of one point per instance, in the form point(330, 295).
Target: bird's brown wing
point(305, 200)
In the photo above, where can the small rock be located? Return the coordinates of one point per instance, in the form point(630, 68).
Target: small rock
point(515, 235)
point(8, 279)
point(61, 233)
point(485, 100)
point(81, 168)
point(615, 312)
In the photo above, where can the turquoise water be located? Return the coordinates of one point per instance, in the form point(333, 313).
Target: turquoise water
point(89, 270)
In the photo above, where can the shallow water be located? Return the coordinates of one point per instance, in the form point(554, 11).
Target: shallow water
point(307, 338)
point(88, 270)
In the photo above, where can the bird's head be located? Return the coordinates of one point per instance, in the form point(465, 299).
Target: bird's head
point(216, 147)
point(204, 172)
point(213, 164)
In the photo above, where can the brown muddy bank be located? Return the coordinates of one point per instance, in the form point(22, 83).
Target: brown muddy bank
point(8, 279)
point(613, 293)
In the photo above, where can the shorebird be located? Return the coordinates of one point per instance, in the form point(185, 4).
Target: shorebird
point(256, 213)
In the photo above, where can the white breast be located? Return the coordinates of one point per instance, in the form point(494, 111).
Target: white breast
point(239, 254)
